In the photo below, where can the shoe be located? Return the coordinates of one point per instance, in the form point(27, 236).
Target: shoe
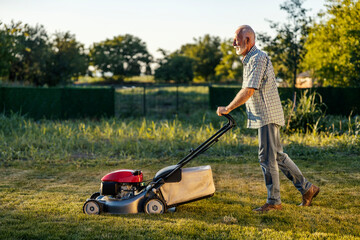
point(267, 207)
point(309, 196)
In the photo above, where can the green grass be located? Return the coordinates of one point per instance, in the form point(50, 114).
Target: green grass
point(102, 80)
point(49, 168)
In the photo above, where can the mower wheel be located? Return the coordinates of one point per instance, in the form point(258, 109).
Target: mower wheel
point(95, 195)
point(154, 206)
point(92, 207)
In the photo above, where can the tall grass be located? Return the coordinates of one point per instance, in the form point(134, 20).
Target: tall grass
point(304, 113)
point(27, 141)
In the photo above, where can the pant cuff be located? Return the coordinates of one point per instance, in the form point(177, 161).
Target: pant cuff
point(273, 202)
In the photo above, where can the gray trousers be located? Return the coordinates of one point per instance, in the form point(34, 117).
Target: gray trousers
point(272, 157)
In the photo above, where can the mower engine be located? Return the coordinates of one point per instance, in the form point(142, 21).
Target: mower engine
point(122, 184)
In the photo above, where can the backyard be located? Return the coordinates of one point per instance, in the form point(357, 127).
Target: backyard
point(50, 167)
point(137, 87)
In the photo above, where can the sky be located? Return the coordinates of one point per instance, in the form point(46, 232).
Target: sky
point(165, 24)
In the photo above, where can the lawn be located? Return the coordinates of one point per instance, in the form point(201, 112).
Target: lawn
point(49, 168)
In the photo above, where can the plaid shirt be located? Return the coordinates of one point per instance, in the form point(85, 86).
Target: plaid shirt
point(264, 106)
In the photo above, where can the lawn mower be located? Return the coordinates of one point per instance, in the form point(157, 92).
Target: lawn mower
point(124, 191)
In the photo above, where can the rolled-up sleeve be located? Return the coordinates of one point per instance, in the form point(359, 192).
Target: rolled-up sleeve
point(257, 67)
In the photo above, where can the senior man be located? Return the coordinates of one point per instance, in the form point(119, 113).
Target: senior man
point(265, 113)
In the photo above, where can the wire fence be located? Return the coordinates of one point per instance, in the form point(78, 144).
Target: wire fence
point(163, 100)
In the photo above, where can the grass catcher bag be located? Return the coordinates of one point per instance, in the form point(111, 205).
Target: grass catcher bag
point(196, 183)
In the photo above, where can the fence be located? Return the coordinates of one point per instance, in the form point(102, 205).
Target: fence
point(154, 100)
point(61, 103)
point(160, 100)
point(57, 102)
point(339, 101)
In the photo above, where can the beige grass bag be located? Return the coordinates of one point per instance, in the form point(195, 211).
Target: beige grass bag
point(196, 182)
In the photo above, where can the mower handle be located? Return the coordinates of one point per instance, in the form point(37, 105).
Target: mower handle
point(209, 142)
point(204, 146)
point(232, 122)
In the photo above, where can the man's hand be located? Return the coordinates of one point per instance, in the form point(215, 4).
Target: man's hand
point(222, 110)
point(241, 97)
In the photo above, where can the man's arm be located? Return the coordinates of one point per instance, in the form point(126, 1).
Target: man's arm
point(240, 98)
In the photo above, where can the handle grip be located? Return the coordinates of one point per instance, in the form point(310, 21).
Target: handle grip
point(232, 122)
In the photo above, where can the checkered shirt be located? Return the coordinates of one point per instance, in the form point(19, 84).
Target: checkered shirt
point(264, 106)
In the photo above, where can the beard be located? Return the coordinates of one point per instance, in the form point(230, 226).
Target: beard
point(238, 50)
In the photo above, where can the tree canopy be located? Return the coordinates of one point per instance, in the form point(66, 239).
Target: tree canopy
point(333, 47)
point(206, 54)
point(329, 49)
point(174, 67)
point(286, 49)
point(208, 59)
point(124, 55)
point(27, 54)
point(230, 66)
point(68, 59)
point(7, 53)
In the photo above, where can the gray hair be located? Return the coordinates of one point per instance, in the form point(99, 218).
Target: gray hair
point(247, 31)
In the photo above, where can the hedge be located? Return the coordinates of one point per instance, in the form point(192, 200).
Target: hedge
point(55, 103)
point(339, 101)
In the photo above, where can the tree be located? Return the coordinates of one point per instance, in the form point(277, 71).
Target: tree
point(68, 59)
point(27, 54)
point(24, 52)
point(122, 56)
point(6, 48)
point(230, 67)
point(206, 54)
point(333, 46)
point(175, 67)
point(286, 49)
point(30, 53)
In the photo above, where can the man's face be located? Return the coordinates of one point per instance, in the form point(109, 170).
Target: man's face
point(239, 44)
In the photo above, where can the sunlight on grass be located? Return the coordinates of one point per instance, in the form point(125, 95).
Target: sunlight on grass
point(49, 168)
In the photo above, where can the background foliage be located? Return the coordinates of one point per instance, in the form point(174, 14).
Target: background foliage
point(206, 54)
point(333, 52)
point(286, 48)
point(124, 55)
point(327, 47)
point(174, 67)
point(29, 55)
point(230, 66)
